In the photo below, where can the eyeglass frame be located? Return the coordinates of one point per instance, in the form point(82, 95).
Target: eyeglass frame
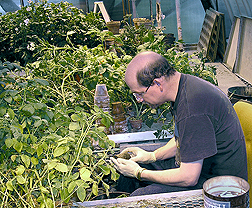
point(139, 96)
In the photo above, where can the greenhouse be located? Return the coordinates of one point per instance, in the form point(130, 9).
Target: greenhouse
point(130, 103)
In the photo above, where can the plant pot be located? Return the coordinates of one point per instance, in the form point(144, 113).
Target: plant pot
point(120, 122)
point(113, 26)
point(109, 42)
point(117, 108)
point(101, 99)
point(136, 124)
point(142, 21)
point(239, 93)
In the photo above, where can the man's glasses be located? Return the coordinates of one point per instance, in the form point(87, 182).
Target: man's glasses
point(139, 96)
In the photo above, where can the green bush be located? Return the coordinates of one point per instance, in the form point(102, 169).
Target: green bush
point(20, 31)
point(73, 73)
point(47, 154)
point(134, 40)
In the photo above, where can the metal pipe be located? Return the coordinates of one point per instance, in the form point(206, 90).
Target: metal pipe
point(151, 12)
point(123, 7)
point(134, 9)
point(22, 3)
point(179, 24)
point(158, 13)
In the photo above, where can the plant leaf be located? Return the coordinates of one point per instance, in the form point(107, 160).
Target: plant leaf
point(39, 150)
point(95, 188)
point(52, 164)
point(8, 142)
point(71, 186)
point(34, 161)
point(104, 169)
point(74, 126)
point(64, 195)
point(29, 109)
point(11, 113)
point(61, 167)
point(75, 117)
point(21, 179)
point(60, 151)
point(18, 146)
point(81, 193)
point(85, 174)
point(9, 185)
point(20, 170)
point(2, 111)
point(43, 82)
point(26, 160)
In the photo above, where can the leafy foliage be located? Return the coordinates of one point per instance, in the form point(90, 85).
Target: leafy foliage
point(20, 31)
point(50, 151)
point(134, 40)
point(48, 122)
point(74, 72)
point(186, 64)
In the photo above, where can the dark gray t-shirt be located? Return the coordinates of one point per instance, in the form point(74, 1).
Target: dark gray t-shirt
point(208, 128)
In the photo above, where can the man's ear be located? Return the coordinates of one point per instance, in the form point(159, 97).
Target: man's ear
point(159, 85)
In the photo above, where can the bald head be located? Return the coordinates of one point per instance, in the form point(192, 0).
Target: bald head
point(145, 67)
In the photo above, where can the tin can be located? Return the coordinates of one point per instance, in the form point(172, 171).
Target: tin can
point(226, 192)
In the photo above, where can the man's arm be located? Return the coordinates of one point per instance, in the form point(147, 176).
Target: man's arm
point(167, 151)
point(186, 175)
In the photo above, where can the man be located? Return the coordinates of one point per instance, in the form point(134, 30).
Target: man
point(208, 139)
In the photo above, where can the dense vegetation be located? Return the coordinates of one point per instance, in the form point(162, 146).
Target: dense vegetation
point(52, 57)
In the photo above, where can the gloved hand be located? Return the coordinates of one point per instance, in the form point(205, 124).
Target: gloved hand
point(139, 155)
point(126, 167)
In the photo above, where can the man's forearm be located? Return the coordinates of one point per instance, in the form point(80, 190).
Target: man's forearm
point(167, 151)
point(186, 175)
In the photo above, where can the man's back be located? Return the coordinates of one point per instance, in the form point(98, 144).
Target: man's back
point(209, 129)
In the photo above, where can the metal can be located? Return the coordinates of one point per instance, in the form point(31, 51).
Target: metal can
point(226, 192)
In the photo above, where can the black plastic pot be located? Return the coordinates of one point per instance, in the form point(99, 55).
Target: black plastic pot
point(240, 93)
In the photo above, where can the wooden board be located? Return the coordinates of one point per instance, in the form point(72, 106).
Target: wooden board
point(243, 65)
point(231, 50)
point(212, 36)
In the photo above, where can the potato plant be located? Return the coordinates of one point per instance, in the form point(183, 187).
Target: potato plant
point(47, 153)
point(20, 31)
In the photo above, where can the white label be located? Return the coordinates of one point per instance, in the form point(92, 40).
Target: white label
point(210, 203)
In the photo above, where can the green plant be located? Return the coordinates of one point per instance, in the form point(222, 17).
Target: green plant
point(186, 64)
point(137, 108)
point(20, 31)
point(47, 154)
point(134, 40)
point(74, 72)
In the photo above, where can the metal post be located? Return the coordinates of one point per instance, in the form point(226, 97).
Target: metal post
point(151, 12)
point(134, 8)
point(158, 13)
point(179, 24)
point(22, 3)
